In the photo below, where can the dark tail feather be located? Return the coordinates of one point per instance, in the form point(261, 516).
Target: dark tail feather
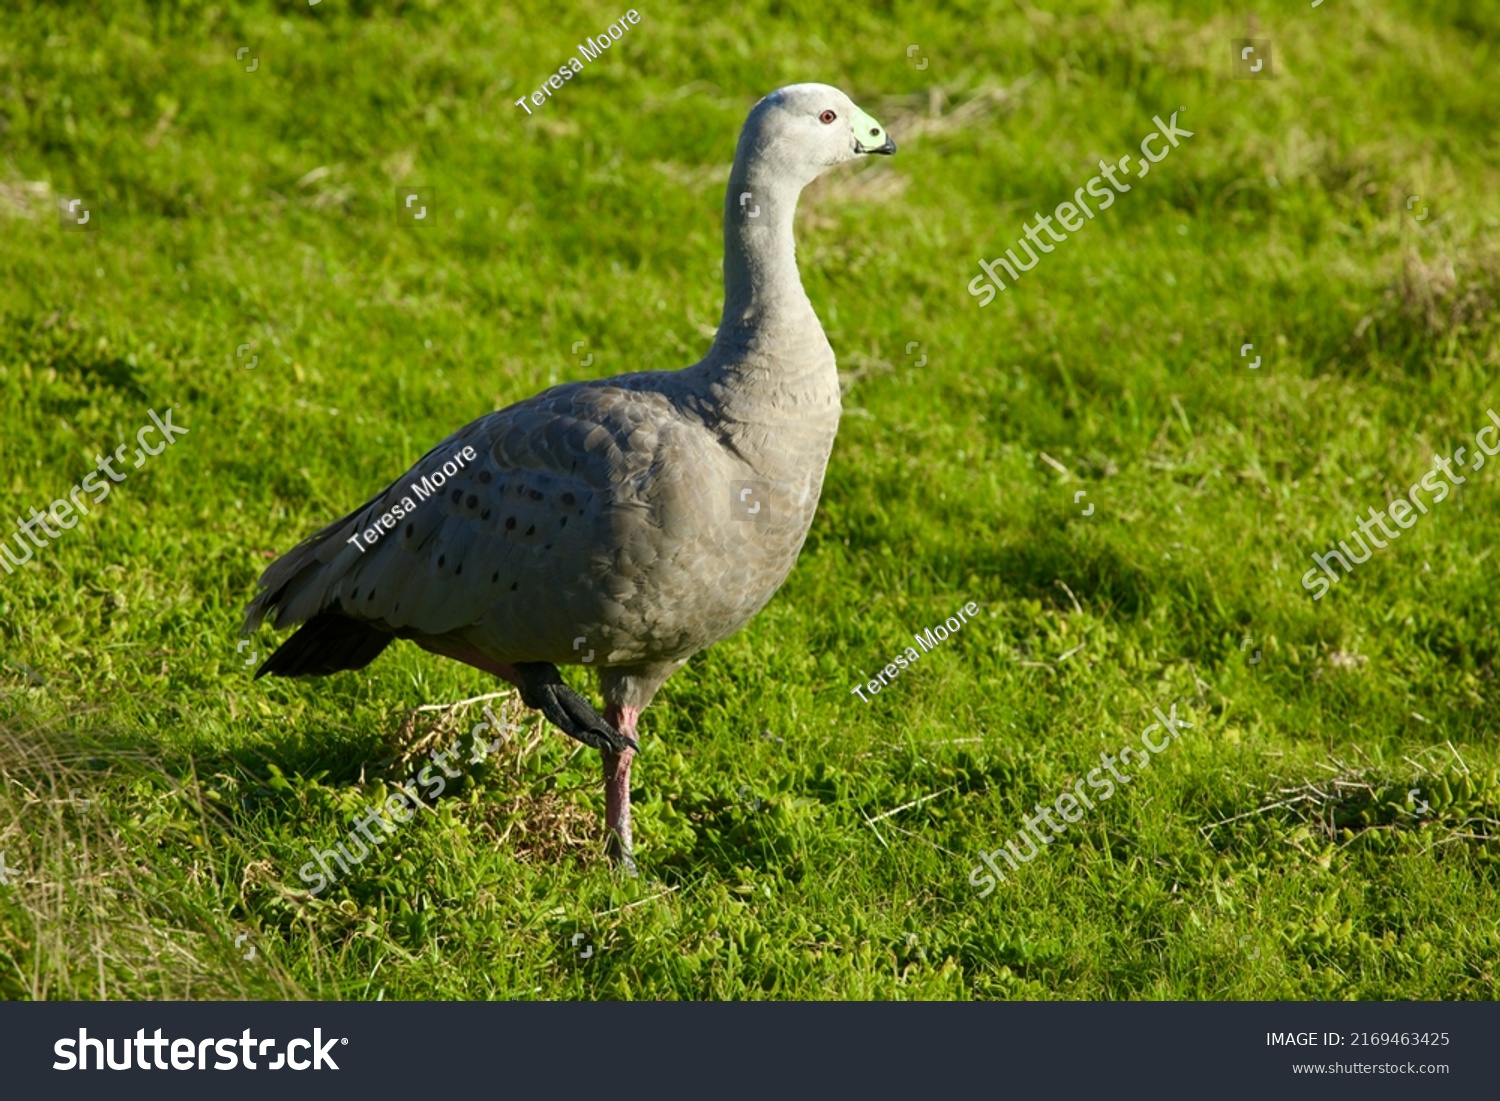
point(326, 643)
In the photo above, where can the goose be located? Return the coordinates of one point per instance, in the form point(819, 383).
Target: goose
point(626, 523)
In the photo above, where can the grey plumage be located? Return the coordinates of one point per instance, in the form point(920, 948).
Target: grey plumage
point(609, 522)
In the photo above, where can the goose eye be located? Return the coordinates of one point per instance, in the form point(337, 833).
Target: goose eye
point(827, 117)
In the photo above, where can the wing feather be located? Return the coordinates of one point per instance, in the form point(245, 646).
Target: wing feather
point(540, 534)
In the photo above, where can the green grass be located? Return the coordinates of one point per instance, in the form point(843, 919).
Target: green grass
point(158, 802)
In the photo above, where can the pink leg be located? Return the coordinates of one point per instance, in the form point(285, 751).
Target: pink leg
point(616, 765)
point(617, 786)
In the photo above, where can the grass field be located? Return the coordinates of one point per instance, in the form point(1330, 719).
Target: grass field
point(1326, 829)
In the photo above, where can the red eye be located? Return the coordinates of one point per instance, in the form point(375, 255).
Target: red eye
point(827, 117)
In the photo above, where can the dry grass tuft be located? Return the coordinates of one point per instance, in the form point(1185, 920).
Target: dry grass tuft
point(89, 914)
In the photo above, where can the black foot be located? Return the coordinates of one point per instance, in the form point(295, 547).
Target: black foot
point(544, 690)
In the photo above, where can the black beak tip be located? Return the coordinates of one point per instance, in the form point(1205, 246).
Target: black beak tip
point(889, 148)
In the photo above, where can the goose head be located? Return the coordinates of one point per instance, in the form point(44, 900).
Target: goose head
point(801, 131)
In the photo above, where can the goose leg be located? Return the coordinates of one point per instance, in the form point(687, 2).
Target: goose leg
point(543, 689)
point(617, 786)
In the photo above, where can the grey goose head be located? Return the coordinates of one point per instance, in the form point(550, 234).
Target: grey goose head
point(802, 130)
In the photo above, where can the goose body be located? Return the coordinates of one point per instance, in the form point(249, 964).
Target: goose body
point(626, 523)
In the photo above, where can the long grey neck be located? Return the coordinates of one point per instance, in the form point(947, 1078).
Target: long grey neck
point(765, 307)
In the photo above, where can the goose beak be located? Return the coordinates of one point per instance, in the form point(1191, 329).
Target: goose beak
point(870, 136)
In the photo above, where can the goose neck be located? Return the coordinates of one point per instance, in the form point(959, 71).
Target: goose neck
point(763, 292)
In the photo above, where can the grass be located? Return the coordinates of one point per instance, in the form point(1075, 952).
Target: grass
point(1327, 829)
